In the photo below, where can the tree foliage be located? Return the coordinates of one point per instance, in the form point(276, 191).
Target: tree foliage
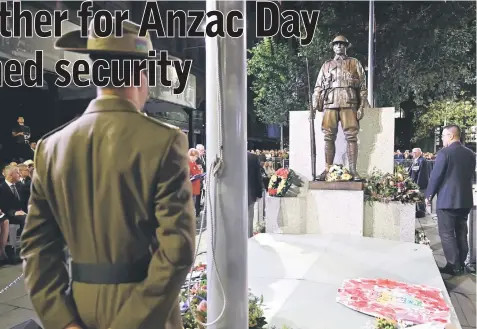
point(277, 76)
point(439, 113)
point(425, 52)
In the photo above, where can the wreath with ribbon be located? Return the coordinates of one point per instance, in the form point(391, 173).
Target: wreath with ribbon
point(280, 182)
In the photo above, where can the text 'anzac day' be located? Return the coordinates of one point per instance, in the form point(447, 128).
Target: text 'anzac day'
point(16, 22)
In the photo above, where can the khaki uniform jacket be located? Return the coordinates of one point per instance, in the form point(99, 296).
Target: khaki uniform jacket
point(341, 83)
point(98, 182)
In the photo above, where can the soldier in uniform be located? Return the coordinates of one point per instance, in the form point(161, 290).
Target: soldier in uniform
point(341, 93)
point(113, 187)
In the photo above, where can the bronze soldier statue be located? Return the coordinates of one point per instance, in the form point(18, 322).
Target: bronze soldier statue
point(341, 93)
point(119, 200)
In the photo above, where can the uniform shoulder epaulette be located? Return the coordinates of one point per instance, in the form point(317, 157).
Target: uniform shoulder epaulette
point(162, 123)
point(48, 134)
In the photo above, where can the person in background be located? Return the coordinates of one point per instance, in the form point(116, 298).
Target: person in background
point(31, 151)
point(451, 181)
point(269, 168)
point(398, 155)
point(21, 135)
point(263, 173)
point(12, 200)
point(262, 157)
point(195, 173)
point(201, 158)
point(2, 176)
point(201, 161)
point(419, 173)
point(4, 229)
point(255, 188)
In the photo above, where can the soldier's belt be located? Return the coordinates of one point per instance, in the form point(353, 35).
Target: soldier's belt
point(344, 84)
point(104, 273)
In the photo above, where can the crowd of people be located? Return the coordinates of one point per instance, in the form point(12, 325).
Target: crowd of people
point(399, 156)
point(15, 180)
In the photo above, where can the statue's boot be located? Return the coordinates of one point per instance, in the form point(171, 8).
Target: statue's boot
point(322, 176)
point(329, 158)
point(352, 159)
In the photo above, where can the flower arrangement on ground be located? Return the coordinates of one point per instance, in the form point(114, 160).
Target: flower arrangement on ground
point(388, 187)
point(259, 228)
point(338, 173)
point(198, 303)
point(280, 182)
point(382, 323)
point(421, 238)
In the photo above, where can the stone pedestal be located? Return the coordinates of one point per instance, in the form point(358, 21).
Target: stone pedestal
point(286, 215)
point(376, 142)
point(317, 211)
point(390, 221)
point(335, 212)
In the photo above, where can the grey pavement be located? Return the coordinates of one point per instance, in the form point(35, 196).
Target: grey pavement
point(16, 308)
point(462, 289)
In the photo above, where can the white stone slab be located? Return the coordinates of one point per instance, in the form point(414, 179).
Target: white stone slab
point(390, 221)
point(335, 212)
point(286, 215)
point(376, 142)
point(299, 275)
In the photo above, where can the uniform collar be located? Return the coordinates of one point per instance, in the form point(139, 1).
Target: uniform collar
point(110, 104)
point(337, 57)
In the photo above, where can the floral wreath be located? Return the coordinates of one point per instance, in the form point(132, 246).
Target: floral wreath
point(280, 182)
point(338, 173)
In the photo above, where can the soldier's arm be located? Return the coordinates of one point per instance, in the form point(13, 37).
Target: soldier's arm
point(158, 294)
point(317, 92)
point(44, 259)
point(363, 89)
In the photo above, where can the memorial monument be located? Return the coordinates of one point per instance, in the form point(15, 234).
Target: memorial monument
point(333, 202)
point(341, 94)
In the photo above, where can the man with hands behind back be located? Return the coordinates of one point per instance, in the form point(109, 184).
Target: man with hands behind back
point(113, 187)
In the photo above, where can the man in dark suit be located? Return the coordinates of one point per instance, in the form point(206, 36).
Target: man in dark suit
point(127, 221)
point(419, 173)
point(451, 180)
point(255, 187)
point(11, 201)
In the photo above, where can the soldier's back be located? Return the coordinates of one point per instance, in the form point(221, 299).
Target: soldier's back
point(98, 172)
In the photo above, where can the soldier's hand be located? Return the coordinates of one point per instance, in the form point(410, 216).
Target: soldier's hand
point(311, 116)
point(360, 114)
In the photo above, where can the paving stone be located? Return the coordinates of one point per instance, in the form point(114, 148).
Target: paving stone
point(467, 304)
point(4, 308)
point(458, 310)
point(23, 302)
point(462, 289)
point(17, 316)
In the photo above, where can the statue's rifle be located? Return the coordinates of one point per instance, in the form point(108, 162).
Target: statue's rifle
point(312, 126)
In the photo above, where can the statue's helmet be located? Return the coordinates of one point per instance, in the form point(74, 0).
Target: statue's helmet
point(341, 39)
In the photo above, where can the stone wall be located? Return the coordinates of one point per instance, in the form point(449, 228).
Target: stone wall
point(376, 142)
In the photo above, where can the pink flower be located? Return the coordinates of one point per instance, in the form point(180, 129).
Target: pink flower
point(202, 307)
